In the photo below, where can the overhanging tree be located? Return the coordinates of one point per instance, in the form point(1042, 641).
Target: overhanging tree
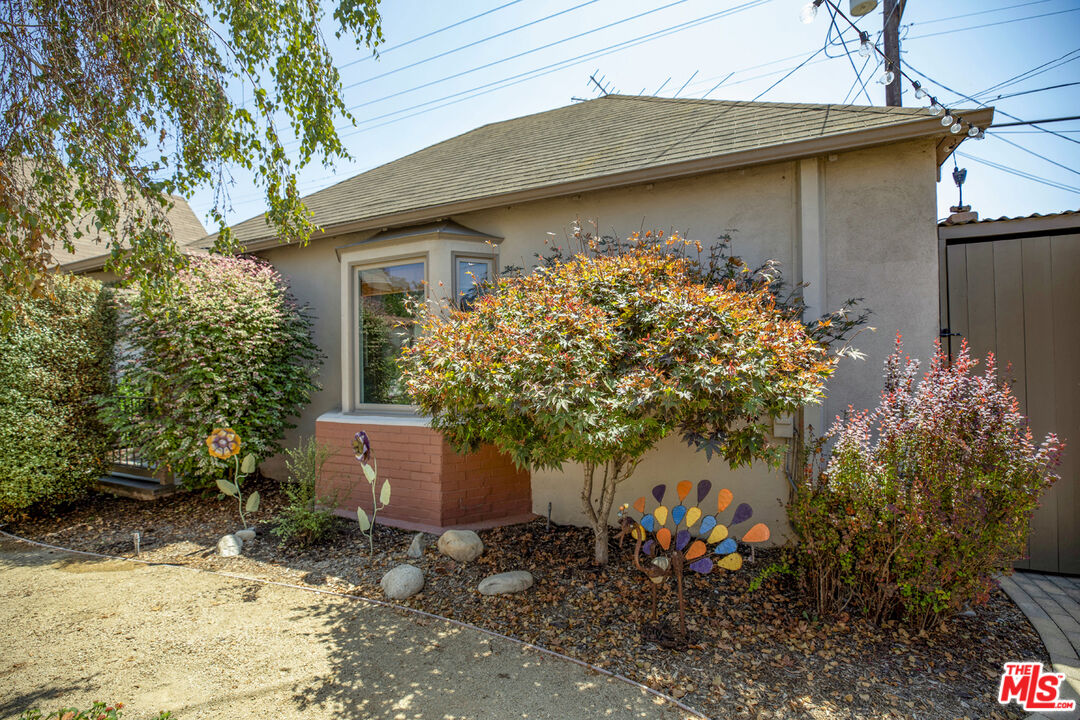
point(107, 107)
point(595, 359)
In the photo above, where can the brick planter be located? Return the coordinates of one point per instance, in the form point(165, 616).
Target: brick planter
point(433, 488)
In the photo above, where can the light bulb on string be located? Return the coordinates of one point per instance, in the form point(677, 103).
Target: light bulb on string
point(887, 77)
point(947, 119)
point(809, 12)
point(936, 108)
point(956, 127)
point(973, 132)
point(919, 92)
point(865, 48)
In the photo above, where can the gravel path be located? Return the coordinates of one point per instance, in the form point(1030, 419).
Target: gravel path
point(75, 629)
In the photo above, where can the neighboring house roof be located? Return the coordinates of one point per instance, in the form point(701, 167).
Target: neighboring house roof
point(608, 142)
point(1052, 223)
point(90, 253)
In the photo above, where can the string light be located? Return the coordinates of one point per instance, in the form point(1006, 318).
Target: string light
point(955, 123)
point(809, 11)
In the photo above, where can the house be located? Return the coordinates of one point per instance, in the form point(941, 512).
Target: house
point(91, 253)
point(843, 196)
point(130, 475)
point(1011, 286)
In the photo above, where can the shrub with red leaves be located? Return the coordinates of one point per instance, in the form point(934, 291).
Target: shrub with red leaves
point(924, 498)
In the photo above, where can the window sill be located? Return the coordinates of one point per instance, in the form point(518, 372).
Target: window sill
point(377, 416)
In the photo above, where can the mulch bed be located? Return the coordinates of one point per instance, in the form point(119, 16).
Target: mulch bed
point(758, 654)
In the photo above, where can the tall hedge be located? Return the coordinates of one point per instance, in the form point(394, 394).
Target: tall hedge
point(230, 348)
point(54, 363)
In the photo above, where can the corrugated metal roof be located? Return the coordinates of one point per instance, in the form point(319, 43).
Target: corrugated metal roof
point(1006, 218)
point(608, 136)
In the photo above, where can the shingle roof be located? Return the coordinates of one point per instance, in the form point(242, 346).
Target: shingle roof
point(186, 230)
point(608, 136)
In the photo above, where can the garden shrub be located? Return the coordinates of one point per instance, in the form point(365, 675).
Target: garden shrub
point(923, 499)
point(54, 362)
point(596, 358)
point(307, 518)
point(229, 348)
point(97, 711)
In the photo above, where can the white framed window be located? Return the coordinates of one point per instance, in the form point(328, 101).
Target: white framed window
point(379, 275)
point(385, 327)
point(470, 272)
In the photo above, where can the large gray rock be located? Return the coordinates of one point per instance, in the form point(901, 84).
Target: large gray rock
point(402, 582)
point(416, 547)
point(247, 534)
point(229, 546)
point(507, 582)
point(462, 545)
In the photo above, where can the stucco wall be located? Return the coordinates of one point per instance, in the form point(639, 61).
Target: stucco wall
point(877, 220)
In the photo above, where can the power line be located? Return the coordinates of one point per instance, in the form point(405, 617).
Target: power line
point(993, 24)
point(1020, 173)
point(425, 36)
point(516, 56)
point(979, 12)
point(1027, 74)
point(1036, 90)
point(472, 44)
point(1033, 122)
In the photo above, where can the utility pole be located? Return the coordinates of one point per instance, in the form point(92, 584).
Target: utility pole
point(893, 10)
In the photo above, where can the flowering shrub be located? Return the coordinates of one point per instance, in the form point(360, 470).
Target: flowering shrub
point(230, 343)
point(924, 498)
point(595, 359)
point(54, 362)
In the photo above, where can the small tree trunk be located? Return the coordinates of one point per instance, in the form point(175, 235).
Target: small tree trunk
point(600, 543)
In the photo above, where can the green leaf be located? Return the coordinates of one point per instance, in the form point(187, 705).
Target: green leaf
point(362, 518)
point(227, 487)
point(248, 466)
point(369, 472)
point(384, 494)
point(252, 501)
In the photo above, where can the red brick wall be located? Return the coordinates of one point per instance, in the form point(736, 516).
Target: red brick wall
point(432, 487)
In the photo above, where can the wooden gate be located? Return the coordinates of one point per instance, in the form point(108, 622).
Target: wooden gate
point(1017, 294)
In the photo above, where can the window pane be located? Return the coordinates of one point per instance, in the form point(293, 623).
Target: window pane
point(385, 328)
point(470, 273)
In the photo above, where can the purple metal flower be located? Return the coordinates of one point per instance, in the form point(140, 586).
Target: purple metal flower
point(361, 446)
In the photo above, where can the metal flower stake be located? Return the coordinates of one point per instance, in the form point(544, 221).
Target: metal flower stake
point(362, 450)
point(663, 552)
point(224, 444)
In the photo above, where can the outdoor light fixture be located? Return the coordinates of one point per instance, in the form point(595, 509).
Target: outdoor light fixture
point(862, 7)
point(936, 108)
point(864, 44)
point(956, 127)
point(973, 132)
point(887, 77)
point(919, 92)
point(947, 119)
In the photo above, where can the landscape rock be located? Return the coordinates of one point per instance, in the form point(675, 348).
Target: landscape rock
point(416, 547)
point(461, 545)
point(247, 534)
point(507, 582)
point(229, 546)
point(402, 582)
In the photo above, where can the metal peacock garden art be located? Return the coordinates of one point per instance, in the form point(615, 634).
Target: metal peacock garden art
point(673, 539)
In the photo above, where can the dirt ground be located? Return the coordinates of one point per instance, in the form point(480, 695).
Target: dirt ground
point(77, 629)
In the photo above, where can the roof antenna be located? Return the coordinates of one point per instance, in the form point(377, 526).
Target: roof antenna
point(685, 84)
point(662, 86)
point(600, 85)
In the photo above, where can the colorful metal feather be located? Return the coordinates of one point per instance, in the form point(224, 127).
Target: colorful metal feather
point(662, 551)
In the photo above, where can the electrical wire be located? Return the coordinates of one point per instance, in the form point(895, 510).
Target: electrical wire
point(433, 33)
point(481, 41)
point(1036, 90)
point(993, 24)
point(1020, 173)
point(502, 60)
point(1028, 74)
point(847, 54)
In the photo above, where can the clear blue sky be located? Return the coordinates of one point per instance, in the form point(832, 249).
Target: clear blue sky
point(409, 98)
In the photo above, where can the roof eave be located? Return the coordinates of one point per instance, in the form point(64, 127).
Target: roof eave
point(860, 139)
